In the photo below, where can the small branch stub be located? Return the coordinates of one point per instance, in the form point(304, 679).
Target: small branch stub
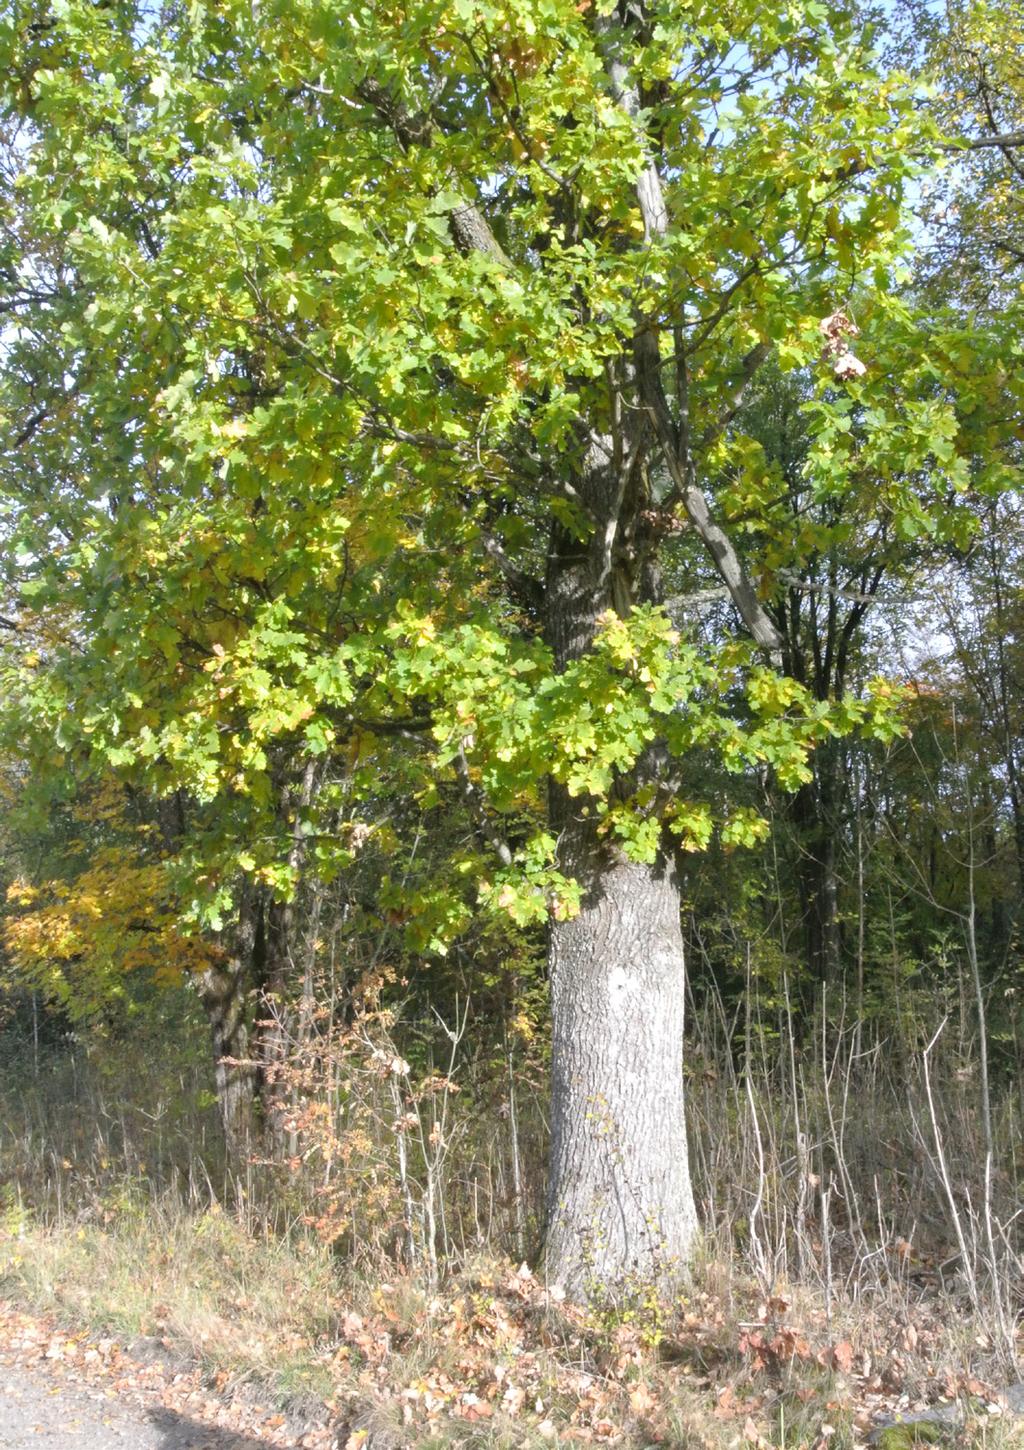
point(837, 329)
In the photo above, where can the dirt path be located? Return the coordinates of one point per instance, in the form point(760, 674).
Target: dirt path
point(59, 1392)
point(38, 1409)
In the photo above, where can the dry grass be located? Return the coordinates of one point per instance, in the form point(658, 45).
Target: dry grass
point(832, 1286)
point(253, 1307)
point(492, 1360)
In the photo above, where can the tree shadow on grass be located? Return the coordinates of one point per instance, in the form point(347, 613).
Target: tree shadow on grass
point(179, 1432)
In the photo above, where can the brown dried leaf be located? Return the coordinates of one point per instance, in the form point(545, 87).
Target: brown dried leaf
point(842, 1356)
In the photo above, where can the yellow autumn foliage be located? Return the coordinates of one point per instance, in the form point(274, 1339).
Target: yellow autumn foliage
point(75, 941)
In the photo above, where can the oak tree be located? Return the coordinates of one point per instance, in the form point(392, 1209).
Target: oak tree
point(369, 371)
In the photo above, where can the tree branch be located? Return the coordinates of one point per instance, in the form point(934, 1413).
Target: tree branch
point(474, 798)
point(651, 200)
point(686, 492)
point(527, 590)
point(374, 428)
point(29, 428)
point(679, 603)
point(417, 725)
point(1005, 140)
point(807, 586)
point(757, 355)
point(469, 227)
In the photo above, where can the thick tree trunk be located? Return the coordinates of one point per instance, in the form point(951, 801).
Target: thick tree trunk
point(621, 1213)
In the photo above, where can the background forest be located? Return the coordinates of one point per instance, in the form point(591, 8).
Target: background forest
point(275, 940)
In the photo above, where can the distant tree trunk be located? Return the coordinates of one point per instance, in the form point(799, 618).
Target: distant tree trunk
point(813, 815)
point(271, 1035)
point(280, 970)
point(224, 990)
point(1010, 738)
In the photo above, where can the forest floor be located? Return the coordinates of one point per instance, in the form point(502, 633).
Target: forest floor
point(494, 1362)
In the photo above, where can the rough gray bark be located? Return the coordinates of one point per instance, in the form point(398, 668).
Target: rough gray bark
point(621, 1213)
